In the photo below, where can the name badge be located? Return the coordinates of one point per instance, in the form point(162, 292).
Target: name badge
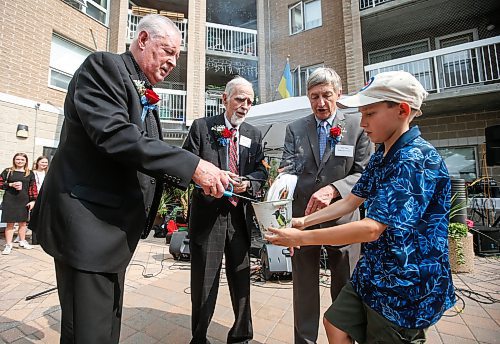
point(245, 141)
point(344, 150)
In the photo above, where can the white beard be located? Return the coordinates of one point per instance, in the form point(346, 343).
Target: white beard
point(235, 120)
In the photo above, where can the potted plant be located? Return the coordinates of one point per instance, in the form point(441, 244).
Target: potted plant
point(460, 240)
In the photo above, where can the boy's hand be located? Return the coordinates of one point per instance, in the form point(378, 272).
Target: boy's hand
point(299, 222)
point(289, 237)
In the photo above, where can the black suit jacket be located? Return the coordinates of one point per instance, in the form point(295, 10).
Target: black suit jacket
point(107, 176)
point(202, 141)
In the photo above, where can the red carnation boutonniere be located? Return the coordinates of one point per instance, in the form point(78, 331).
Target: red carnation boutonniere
point(222, 134)
point(149, 98)
point(336, 134)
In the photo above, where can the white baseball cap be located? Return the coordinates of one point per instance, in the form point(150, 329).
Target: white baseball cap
point(396, 87)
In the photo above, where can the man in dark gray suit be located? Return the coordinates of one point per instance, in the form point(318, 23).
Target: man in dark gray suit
point(107, 176)
point(328, 151)
point(219, 226)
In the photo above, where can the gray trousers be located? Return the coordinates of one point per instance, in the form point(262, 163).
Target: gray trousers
point(306, 298)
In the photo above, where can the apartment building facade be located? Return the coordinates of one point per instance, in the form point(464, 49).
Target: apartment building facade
point(451, 46)
point(43, 43)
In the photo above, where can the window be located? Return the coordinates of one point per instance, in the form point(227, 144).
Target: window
point(398, 51)
point(299, 79)
point(461, 67)
point(461, 162)
point(305, 15)
point(97, 9)
point(65, 58)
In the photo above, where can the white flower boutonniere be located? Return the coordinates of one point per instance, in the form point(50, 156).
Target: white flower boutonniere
point(149, 98)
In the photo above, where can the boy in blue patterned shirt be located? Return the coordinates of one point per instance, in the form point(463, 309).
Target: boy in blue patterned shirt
point(402, 284)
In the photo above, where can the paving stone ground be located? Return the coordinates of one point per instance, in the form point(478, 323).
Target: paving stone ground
point(157, 302)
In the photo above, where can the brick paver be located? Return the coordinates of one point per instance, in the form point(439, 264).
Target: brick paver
point(157, 303)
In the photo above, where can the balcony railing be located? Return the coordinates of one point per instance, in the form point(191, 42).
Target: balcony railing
point(474, 63)
point(213, 103)
point(133, 20)
point(231, 39)
point(172, 107)
point(364, 4)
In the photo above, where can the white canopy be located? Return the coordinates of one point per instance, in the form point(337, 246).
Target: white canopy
point(272, 118)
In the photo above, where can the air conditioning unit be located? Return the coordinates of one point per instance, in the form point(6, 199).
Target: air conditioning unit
point(77, 3)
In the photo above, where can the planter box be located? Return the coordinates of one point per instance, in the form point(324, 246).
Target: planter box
point(468, 249)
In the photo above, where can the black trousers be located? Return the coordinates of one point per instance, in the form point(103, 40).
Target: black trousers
point(305, 274)
point(91, 305)
point(229, 236)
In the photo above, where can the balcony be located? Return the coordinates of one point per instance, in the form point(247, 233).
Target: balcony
point(231, 40)
point(133, 20)
point(364, 4)
point(172, 107)
point(471, 64)
point(222, 40)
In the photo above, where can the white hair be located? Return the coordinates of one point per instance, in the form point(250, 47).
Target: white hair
point(237, 81)
point(154, 24)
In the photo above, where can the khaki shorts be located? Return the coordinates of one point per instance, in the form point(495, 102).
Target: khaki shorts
point(351, 315)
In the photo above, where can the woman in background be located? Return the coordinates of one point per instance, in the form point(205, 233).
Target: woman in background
point(40, 169)
point(19, 198)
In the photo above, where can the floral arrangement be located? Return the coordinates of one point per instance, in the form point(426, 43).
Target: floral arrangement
point(149, 98)
point(336, 134)
point(222, 134)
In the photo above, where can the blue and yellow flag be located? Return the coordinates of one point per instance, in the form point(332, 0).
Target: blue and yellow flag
point(285, 86)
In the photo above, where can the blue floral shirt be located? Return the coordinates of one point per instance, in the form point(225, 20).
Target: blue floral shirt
point(405, 274)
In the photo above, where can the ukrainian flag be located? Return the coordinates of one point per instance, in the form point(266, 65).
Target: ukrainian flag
point(285, 86)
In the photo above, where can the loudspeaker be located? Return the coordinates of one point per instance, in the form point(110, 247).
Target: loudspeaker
point(492, 145)
point(486, 240)
point(179, 246)
point(275, 261)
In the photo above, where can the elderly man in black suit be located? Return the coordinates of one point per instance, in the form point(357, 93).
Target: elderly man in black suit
point(107, 176)
point(219, 226)
point(327, 150)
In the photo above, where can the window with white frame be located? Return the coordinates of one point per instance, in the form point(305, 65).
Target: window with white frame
point(460, 161)
point(304, 15)
point(65, 58)
point(300, 76)
point(97, 9)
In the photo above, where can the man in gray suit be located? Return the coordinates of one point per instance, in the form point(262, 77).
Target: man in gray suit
point(328, 151)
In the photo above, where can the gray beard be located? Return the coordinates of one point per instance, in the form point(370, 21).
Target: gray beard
point(235, 120)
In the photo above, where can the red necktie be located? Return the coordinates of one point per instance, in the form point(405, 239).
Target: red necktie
point(233, 160)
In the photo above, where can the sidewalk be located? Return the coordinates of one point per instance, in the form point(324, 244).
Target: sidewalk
point(157, 303)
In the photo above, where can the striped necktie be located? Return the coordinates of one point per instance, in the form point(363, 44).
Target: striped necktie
point(322, 138)
point(233, 160)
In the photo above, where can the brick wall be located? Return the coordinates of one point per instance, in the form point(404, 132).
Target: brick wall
point(465, 129)
point(325, 44)
point(25, 43)
point(44, 128)
point(195, 82)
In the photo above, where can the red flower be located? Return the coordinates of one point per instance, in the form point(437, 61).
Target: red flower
point(226, 133)
point(151, 96)
point(335, 131)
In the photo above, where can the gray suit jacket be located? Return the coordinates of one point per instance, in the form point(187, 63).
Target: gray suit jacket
point(302, 153)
